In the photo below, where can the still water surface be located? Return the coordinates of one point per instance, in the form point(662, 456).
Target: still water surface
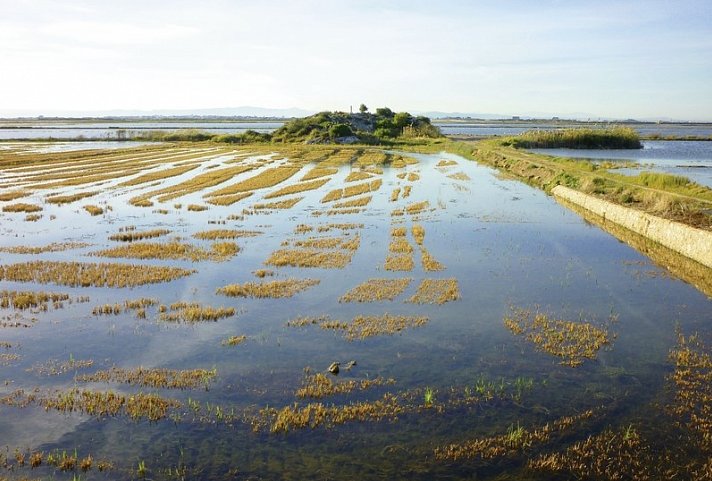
point(508, 245)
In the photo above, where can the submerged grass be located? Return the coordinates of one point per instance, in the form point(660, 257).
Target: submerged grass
point(132, 235)
point(436, 291)
point(159, 378)
point(53, 247)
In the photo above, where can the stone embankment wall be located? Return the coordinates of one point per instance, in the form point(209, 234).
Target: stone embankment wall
point(688, 241)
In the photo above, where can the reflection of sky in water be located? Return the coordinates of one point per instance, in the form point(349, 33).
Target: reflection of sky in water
point(506, 243)
point(692, 159)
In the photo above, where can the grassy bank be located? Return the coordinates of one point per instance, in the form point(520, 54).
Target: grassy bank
point(668, 196)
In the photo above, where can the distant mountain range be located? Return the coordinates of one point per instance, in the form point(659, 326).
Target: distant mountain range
point(250, 111)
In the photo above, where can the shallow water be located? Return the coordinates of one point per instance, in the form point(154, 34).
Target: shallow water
point(508, 245)
point(692, 159)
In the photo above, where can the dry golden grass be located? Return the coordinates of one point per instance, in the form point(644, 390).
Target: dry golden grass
point(160, 175)
point(229, 199)
point(309, 258)
point(68, 199)
point(317, 172)
point(400, 161)
point(226, 234)
point(401, 175)
point(273, 289)
point(13, 194)
point(197, 207)
point(398, 232)
point(353, 190)
point(418, 234)
point(445, 163)
point(82, 274)
point(406, 191)
point(158, 378)
point(372, 158)
point(398, 212)
point(303, 229)
point(345, 242)
point(53, 247)
point(436, 291)
point(394, 195)
point(360, 202)
point(193, 312)
point(459, 176)
point(377, 290)
point(93, 209)
point(417, 207)
point(219, 251)
point(267, 178)
point(41, 300)
point(32, 217)
point(21, 207)
point(282, 204)
point(198, 183)
point(341, 227)
point(400, 246)
point(357, 175)
point(362, 327)
point(401, 262)
point(413, 177)
point(573, 342)
point(262, 273)
point(428, 262)
point(295, 188)
point(132, 235)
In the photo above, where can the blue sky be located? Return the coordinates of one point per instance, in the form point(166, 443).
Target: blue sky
point(639, 59)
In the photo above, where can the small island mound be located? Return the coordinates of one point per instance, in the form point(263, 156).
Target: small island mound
point(363, 128)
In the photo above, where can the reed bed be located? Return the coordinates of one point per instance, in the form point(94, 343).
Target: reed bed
point(319, 386)
point(53, 247)
point(157, 378)
point(377, 290)
point(69, 198)
point(309, 258)
point(436, 291)
point(282, 204)
point(216, 234)
point(22, 207)
point(399, 262)
point(413, 177)
point(192, 313)
point(273, 289)
point(218, 252)
point(398, 232)
point(32, 217)
point(579, 138)
point(132, 235)
point(428, 261)
point(263, 180)
point(83, 274)
point(572, 342)
point(160, 175)
point(94, 210)
point(352, 190)
point(395, 194)
point(296, 188)
point(358, 175)
point(360, 202)
point(318, 172)
point(197, 208)
point(406, 191)
point(229, 199)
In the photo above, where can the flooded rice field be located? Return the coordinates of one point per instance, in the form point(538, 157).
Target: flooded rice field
point(302, 312)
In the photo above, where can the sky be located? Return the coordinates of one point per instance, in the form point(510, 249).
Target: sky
point(601, 59)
